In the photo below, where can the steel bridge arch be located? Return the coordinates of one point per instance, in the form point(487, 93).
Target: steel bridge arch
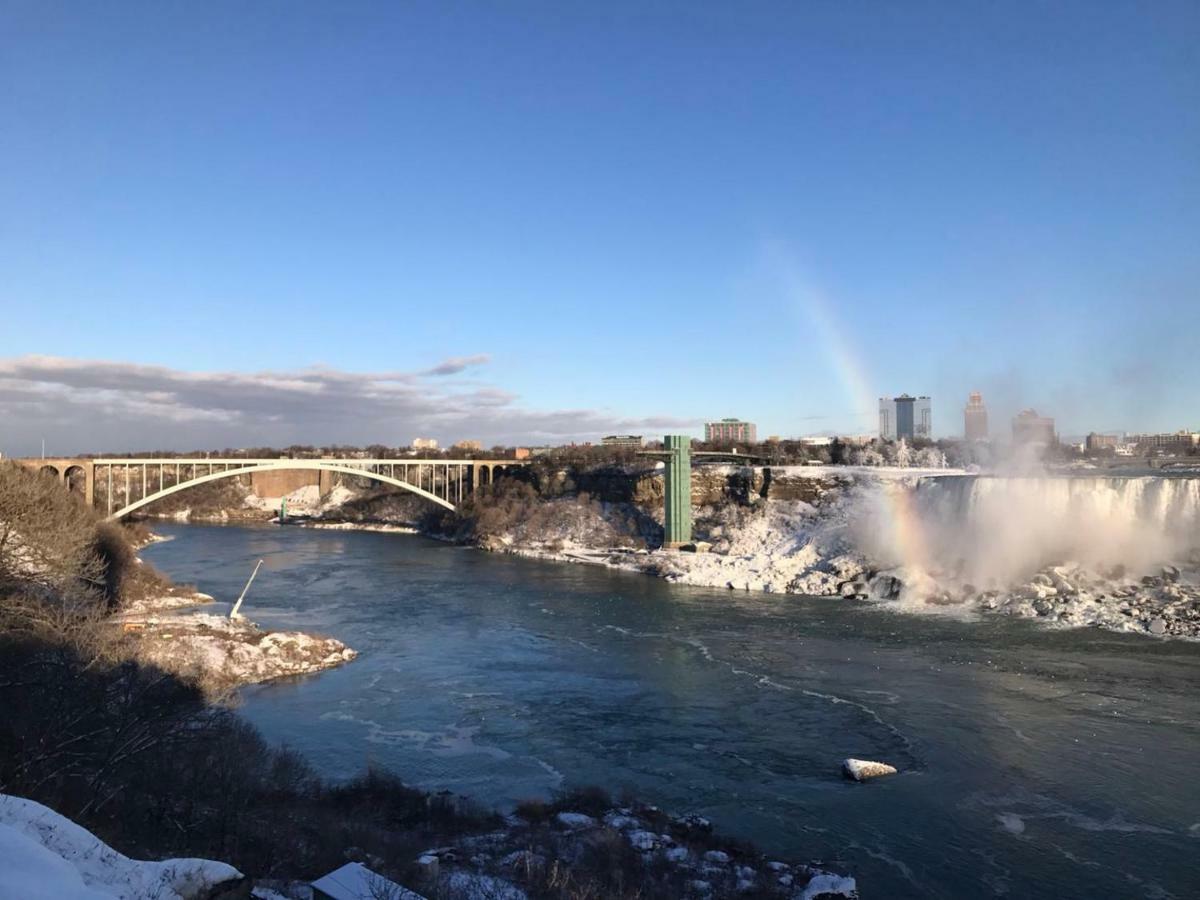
point(313, 465)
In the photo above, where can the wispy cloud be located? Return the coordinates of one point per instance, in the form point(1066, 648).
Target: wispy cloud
point(457, 364)
point(81, 405)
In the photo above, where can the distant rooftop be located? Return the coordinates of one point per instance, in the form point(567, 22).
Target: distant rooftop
point(354, 881)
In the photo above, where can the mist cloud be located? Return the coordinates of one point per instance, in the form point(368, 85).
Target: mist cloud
point(97, 405)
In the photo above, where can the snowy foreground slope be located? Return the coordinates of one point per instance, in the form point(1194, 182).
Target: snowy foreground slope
point(45, 856)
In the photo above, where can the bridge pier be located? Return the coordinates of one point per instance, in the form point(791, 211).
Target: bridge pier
point(62, 471)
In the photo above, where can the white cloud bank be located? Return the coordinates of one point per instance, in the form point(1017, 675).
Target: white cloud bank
point(103, 406)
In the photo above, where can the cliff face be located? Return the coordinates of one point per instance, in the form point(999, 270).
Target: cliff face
point(711, 485)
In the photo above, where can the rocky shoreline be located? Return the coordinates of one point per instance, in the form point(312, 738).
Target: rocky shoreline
point(1163, 603)
point(221, 653)
point(801, 548)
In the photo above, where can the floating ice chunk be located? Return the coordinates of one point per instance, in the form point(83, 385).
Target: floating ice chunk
point(862, 769)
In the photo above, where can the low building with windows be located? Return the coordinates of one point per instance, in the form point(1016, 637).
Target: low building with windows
point(622, 440)
point(1167, 442)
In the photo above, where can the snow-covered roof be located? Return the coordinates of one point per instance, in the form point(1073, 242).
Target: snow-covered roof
point(354, 881)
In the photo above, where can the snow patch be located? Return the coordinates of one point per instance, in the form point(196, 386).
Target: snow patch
point(45, 855)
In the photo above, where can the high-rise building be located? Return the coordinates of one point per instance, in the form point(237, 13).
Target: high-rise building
point(905, 417)
point(1030, 428)
point(975, 426)
point(730, 431)
point(424, 443)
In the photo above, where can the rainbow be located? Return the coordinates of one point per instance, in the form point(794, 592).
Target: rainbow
point(905, 531)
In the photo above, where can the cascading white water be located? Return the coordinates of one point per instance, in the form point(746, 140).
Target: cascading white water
point(992, 529)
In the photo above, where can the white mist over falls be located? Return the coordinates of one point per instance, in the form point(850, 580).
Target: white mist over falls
point(992, 530)
point(1057, 546)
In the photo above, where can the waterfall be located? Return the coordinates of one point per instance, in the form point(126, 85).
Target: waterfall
point(993, 528)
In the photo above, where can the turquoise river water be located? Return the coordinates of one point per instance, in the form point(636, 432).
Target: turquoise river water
point(1034, 763)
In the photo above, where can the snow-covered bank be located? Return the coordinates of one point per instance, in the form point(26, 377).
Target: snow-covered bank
point(45, 856)
point(381, 527)
point(1110, 553)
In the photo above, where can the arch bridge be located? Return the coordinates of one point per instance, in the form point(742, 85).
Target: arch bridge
point(133, 483)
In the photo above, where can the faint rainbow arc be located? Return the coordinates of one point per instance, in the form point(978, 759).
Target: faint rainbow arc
point(905, 530)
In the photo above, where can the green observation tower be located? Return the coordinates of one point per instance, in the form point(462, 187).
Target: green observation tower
point(678, 491)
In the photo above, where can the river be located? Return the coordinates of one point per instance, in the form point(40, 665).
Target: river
point(1034, 763)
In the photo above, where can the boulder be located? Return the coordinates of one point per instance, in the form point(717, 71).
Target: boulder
point(813, 584)
point(694, 821)
point(643, 840)
point(1170, 573)
point(621, 822)
point(847, 567)
point(575, 820)
point(886, 587)
point(1063, 586)
point(1157, 626)
point(863, 769)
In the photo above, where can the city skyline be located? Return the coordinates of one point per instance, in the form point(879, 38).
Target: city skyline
point(879, 200)
point(91, 406)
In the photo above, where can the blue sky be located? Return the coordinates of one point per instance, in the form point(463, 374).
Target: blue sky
point(632, 215)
